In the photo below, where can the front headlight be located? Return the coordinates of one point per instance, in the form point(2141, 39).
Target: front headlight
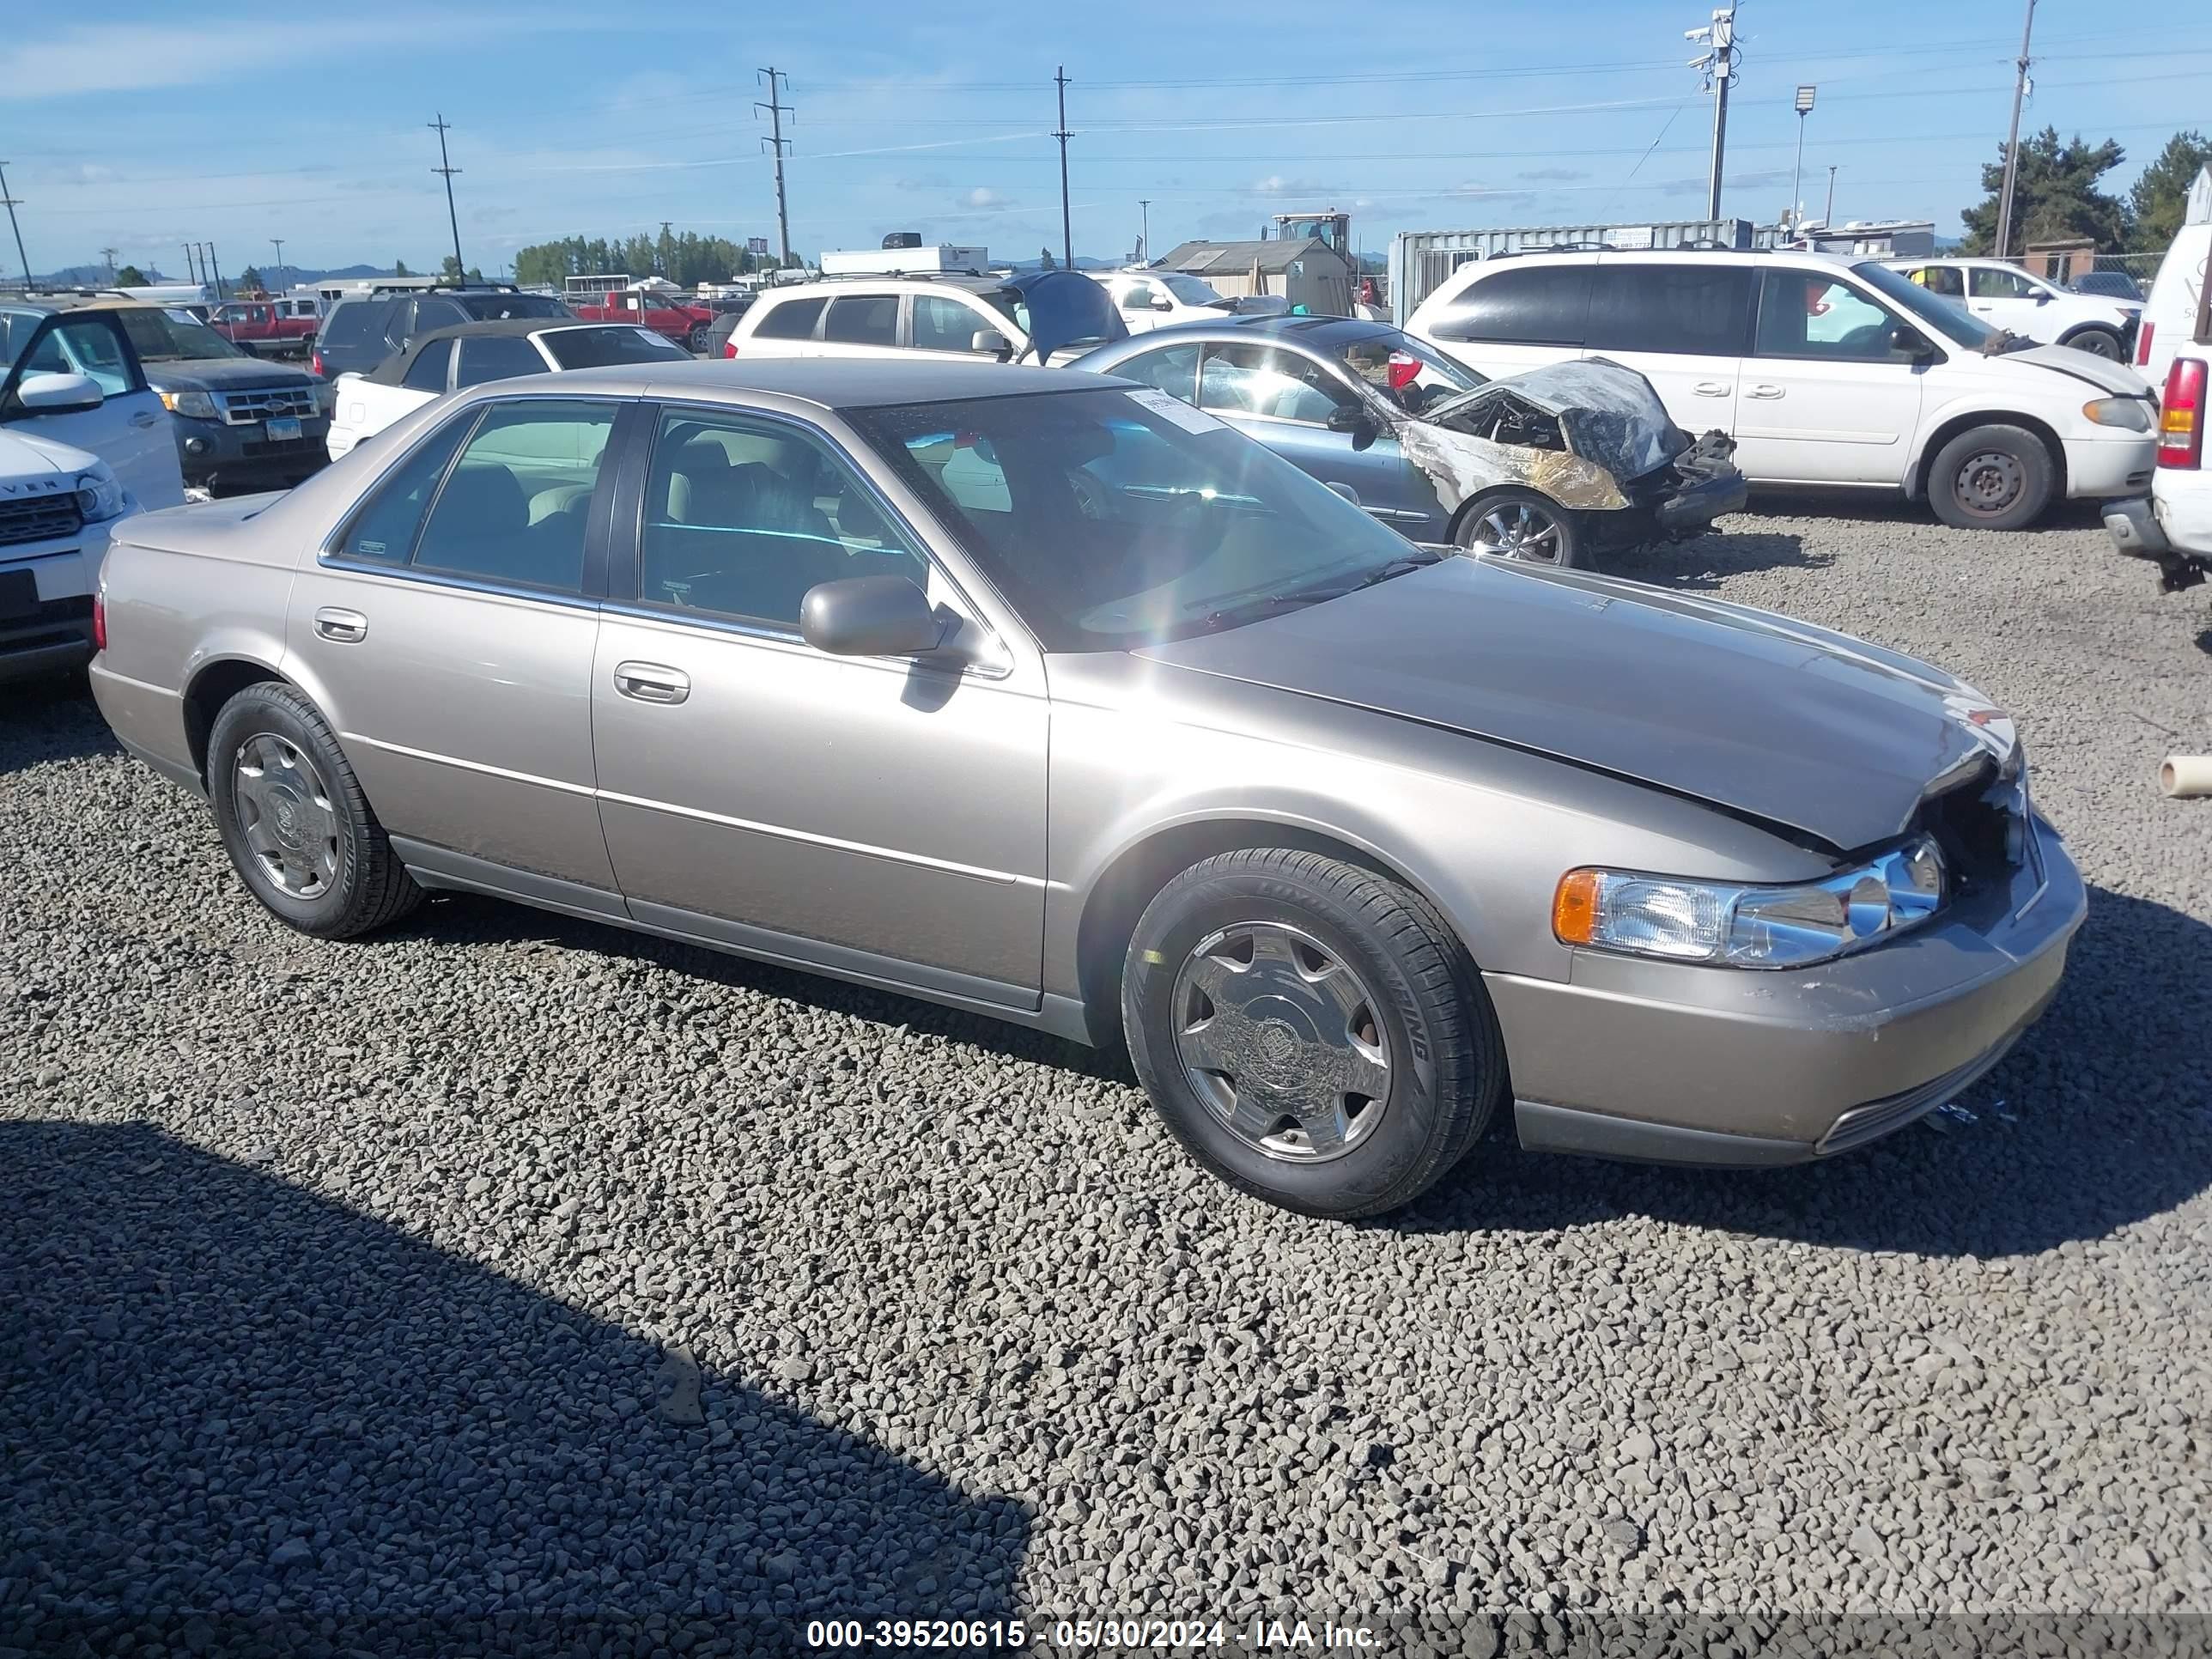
point(1739, 926)
point(2133, 413)
point(99, 495)
point(193, 405)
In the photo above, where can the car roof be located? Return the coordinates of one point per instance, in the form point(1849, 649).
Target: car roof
point(921, 282)
point(393, 369)
point(829, 383)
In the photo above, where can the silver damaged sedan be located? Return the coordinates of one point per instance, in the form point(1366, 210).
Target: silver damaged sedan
point(1051, 697)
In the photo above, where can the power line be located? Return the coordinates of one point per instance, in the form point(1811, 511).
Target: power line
point(776, 107)
point(446, 166)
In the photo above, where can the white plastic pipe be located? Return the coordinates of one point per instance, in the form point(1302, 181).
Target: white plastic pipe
point(2186, 775)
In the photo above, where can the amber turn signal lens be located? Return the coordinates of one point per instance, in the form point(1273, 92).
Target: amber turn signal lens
point(1574, 907)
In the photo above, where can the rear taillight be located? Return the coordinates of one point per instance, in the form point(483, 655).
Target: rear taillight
point(729, 348)
point(100, 620)
point(2181, 414)
point(2143, 333)
point(317, 363)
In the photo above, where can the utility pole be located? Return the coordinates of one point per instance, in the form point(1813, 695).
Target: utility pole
point(1718, 37)
point(277, 242)
point(1828, 213)
point(777, 109)
point(108, 254)
point(441, 127)
point(213, 266)
point(1805, 95)
point(21, 258)
point(2012, 142)
point(1066, 236)
point(191, 266)
point(1145, 238)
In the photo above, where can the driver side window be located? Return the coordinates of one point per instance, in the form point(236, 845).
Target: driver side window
point(1266, 381)
point(1804, 314)
point(88, 344)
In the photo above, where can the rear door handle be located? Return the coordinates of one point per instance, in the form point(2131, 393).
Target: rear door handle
point(346, 627)
point(1764, 392)
point(1712, 388)
point(651, 682)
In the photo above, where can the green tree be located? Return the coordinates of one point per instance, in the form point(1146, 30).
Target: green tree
point(131, 277)
point(399, 268)
point(2054, 196)
point(2157, 198)
point(449, 269)
point(1045, 255)
point(249, 278)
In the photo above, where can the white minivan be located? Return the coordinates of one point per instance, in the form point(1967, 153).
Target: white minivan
point(1826, 370)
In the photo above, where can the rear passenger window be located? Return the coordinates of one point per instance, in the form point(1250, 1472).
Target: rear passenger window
point(1527, 305)
point(863, 319)
point(792, 319)
point(742, 517)
point(496, 357)
point(428, 372)
point(1702, 310)
point(383, 530)
point(514, 508)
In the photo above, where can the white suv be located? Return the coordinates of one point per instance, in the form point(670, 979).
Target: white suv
point(883, 316)
point(2005, 297)
point(1825, 370)
point(1159, 299)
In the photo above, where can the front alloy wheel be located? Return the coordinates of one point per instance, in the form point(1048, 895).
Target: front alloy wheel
point(1523, 524)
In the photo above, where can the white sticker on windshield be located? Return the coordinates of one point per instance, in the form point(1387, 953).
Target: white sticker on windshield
point(1174, 408)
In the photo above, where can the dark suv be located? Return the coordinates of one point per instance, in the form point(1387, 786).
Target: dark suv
point(362, 329)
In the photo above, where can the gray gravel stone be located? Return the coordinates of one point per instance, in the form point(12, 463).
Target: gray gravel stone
point(1065, 1372)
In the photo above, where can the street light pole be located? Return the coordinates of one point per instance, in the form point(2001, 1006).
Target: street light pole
point(2011, 141)
point(1797, 173)
point(1145, 236)
point(1828, 213)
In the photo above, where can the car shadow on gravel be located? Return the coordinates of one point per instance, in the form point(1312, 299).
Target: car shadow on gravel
point(1709, 562)
point(2096, 1121)
point(48, 721)
point(234, 1414)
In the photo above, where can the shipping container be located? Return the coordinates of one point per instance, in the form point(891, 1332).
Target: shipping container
point(1421, 259)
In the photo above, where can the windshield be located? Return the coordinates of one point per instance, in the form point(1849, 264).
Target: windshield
point(596, 347)
point(1115, 519)
point(1409, 374)
point(1947, 317)
point(171, 335)
point(1191, 290)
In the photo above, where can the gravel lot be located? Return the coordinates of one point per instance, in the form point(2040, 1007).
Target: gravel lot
point(346, 1286)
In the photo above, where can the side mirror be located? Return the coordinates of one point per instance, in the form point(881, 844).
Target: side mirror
point(1164, 304)
point(1350, 419)
point(1909, 342)
point(869, 616)
point(2043, 296)
point(990, 342)
point(59, 394)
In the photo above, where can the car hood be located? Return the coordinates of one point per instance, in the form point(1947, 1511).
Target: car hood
point(1761, 715)
point(1612, 414)
point(224, 374)
point(25, 460)
point(2116, 379)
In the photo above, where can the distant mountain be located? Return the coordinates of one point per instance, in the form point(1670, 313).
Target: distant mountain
point(278, 277)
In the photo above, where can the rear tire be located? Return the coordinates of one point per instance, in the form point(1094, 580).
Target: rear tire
point(1992, 477)
point(295, 822)
point(1524, 526)
point(2097, 342)
point(1352, 1057)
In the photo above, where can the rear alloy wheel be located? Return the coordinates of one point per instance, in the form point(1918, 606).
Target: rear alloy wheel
point(1994, 478)
point(294, 819)
point(701, 337)
point(1312, 1032)
point(2097, 342)
point(1519, 524)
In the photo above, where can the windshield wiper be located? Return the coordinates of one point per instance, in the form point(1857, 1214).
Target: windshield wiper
point(1260, 605)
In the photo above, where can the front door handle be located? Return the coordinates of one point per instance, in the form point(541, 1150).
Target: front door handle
point(1712, 388)
point(651, 682)
point(144, 417)
point(345, 626)
point(1764, 392)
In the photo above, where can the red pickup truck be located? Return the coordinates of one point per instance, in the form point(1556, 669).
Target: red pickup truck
point(267, 328)
point(687, 324)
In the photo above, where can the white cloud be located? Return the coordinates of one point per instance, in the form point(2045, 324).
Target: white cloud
point(983, 197)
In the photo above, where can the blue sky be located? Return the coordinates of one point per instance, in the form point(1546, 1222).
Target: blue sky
point(159, 124)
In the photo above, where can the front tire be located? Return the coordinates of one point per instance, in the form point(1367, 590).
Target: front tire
point(1311, 1031)
point(1992, 477)
point(2097, 342)
point(293, 818)
point(1523, 524)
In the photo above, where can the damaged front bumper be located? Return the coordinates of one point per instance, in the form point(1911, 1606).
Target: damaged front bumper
point(1702, 485)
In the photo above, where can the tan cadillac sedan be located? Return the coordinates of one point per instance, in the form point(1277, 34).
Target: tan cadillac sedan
point(1051, 697)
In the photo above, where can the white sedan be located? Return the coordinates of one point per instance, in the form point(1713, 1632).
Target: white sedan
point(1159, 299)
point(447, 359)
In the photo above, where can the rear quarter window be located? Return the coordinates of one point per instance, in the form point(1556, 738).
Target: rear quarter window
point(789, 319)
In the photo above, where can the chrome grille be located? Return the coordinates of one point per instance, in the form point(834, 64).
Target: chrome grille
point(250, 408)
point(40, 517)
